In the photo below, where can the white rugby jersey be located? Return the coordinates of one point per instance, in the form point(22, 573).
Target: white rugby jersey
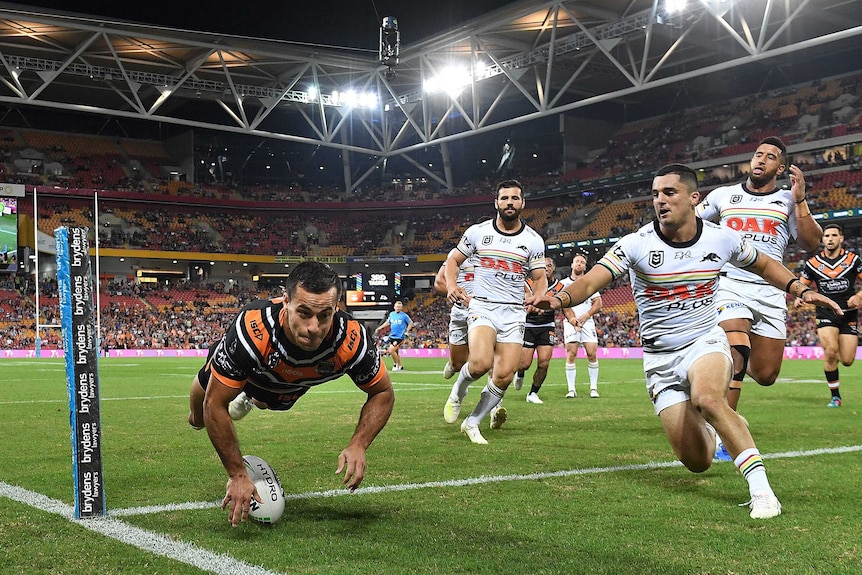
point(674, 283)
point(465, 276)
point(465, 279)
point(766, 220)
point(501, 260)
point(585, 305)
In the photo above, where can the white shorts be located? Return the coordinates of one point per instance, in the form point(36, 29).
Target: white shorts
point(587, 334)
point(765, 306)
point(506, 319)
point(458, 325)
point(667, 373)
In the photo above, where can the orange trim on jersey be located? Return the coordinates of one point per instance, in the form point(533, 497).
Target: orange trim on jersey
point(834, 270)
point(554, 289)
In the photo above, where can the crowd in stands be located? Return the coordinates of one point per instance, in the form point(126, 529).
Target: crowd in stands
point(154, 316)
point(185, 316)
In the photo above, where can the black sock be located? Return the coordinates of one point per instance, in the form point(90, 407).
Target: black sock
point(831, 379)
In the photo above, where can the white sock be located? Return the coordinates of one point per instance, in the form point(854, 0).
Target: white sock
point(490, 398)
point(750, 464)
point(593, 371)
point(571, 372)
point(459, 388)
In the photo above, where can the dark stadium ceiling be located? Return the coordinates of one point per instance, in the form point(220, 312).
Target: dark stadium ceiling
point(524, 61)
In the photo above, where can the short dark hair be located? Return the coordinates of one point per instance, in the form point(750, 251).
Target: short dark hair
point(315, 277)
point(834, 227)
point(686, 175)
point(508, 184)
point(775, 141)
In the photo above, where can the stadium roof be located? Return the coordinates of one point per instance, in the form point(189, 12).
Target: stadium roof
point(524, 61)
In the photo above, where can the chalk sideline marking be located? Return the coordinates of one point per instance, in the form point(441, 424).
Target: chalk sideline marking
point(155, 543)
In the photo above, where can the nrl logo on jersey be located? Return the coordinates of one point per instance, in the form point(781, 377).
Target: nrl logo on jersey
point(656, 258)
point(487, 240)
point(735, 198)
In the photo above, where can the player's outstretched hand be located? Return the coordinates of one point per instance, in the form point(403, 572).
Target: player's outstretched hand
point(352, 462)
point(542, 302)
point(237, 499)
point(820, 300)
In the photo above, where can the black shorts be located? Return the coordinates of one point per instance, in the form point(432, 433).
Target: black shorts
point(539, 336)
point(846, 324)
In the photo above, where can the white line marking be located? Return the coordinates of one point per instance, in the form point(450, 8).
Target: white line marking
point(149, 541)
point(475, 481)
point(189, 554)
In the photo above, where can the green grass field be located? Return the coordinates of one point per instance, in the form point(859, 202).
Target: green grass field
point(571, 486)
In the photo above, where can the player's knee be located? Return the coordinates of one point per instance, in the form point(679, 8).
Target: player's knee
point(195, 422)
point(766, 378)
point(479, 367)
point(698, 464)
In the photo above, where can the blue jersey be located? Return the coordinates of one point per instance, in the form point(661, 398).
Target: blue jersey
point(398, 322)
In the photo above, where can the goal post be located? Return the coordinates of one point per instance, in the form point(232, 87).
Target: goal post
point(80, 345)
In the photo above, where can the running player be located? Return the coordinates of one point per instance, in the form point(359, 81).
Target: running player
point(399, 326)
point(505, 252)
point(751, 312)
point(540, 337)
point(835, 271)
point(458, 349)
point(673, 264)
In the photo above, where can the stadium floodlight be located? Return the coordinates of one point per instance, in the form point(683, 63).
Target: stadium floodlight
point(674, 6)
point(451, 80)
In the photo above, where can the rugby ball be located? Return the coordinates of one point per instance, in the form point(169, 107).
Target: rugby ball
point(271, 507)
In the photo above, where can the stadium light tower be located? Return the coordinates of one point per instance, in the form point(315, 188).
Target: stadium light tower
point(390, 44)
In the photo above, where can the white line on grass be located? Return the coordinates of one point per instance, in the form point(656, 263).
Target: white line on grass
point(221, 564)
point(474, 481)
point(149, 541)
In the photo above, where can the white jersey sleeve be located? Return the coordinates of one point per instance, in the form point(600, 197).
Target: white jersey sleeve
point(674, 283)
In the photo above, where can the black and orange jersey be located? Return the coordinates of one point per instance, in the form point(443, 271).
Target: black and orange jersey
point(255, 355)
point(544, 318)
point(835, 277)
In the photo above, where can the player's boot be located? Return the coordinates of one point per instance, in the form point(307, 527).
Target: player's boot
point(472, 432)
point(763, 505)
point(451, 409)
point(499, 415)
point(240, 406)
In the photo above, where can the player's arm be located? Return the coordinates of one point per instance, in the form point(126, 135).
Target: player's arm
point(797, 302)
point(809, 233)
point(373, 417)
point(595, 307)
point(779, 276)
point(454, 292)
point(539, 283)
point(591, 282)
point(381, 326)
point(240, 488)
point(440, 280)
point(855, 300)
